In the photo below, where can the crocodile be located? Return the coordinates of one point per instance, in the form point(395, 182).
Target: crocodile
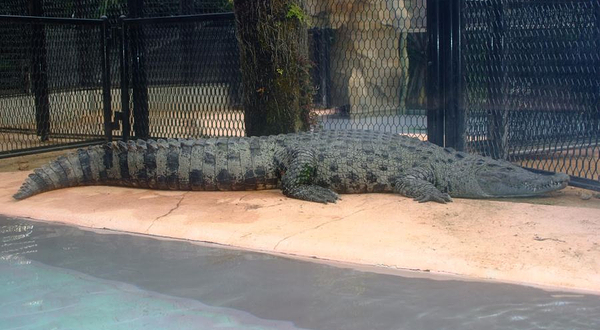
point(311, 166)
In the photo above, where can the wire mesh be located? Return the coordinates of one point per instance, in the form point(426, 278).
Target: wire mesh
point(66, 8)
point(50, 84)
point(531, 74)
point(370, 64)
point(160, 8)
point(530, 80)
point(369, 69)
point(13, 7)
point(191, 73)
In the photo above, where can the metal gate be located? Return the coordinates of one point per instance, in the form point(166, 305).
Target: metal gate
point(75, 82)
point(53, 79)
point(166, 91)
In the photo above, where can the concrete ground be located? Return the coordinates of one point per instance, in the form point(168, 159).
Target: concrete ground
point(548, 241)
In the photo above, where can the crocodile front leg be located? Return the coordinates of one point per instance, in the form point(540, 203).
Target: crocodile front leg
point(299, 170)
point(416, 184)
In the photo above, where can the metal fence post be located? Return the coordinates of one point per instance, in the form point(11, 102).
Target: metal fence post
point(596, 93)
point(40, 72)
point(139, 80)
point(124, 59)
point(452, 76)
point(498, 121)
point(435, 111)
point(321, 72)
point(106, 85)
point(85, 46)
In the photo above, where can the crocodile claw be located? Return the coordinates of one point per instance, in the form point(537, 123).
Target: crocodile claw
point(312, 193)
point(438, 197)
point(324, 195)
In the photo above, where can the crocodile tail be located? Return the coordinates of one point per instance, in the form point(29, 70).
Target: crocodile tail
point(71, 170)
point(102, 164)
point(204, 164)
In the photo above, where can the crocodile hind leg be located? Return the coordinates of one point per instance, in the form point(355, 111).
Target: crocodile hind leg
point(415, 184)
point(299, 170)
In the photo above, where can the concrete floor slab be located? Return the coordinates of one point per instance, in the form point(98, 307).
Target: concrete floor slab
point(549, 241)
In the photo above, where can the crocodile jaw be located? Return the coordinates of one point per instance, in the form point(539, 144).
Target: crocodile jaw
point(520, 183)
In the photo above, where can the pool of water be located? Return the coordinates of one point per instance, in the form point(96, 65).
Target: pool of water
point(61, 277)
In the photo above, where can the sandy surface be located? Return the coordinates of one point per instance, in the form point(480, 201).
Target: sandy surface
point(550, 241)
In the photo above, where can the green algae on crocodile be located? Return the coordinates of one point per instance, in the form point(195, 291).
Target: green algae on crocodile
point(308, 166)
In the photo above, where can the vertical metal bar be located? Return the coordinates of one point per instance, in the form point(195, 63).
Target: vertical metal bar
point(40, 72)
point(445, 26)
point(123, 58)
point(324, 61)
point(461, 117)
point(139, 80)
point(452, 72)
point(320, 72)
point(435, 112)
point(106, 85)
point(84, 47)
point(596, 92)
point(497, 126)
point(141, 112)
point(186, 44)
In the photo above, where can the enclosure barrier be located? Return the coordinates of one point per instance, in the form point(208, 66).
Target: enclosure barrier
point(529, 76)
point(51, 91)
point(512, 79)
point(173, 93)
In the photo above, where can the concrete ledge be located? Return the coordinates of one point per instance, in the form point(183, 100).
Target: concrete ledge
point(530, 243)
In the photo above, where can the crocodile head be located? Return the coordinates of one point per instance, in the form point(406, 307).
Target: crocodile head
point(480, 177)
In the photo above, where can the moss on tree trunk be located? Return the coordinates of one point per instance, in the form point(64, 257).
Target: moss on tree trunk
point(272, 36)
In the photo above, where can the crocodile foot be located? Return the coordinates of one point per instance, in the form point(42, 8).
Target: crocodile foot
point(434, 196)
point(312, 193)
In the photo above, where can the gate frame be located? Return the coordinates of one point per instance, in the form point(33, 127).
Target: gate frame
point(40, 91)
point(445, 114)
point(133, 57)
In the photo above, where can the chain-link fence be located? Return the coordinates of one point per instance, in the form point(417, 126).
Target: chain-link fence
point(369, 68)
point(512, 79)
point(531, 83)
point(370, 64)
point(93, 9)
point(50, 83)
point(114, 8)
point(185, 81)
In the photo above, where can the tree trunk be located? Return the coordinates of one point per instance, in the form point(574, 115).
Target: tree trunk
point(272, 36)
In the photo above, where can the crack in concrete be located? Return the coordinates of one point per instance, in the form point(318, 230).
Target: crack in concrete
point(169, 212)
point(541, 239)
point(321, 225)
